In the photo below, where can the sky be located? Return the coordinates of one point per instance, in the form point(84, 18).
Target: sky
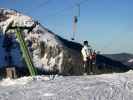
point(106, 24)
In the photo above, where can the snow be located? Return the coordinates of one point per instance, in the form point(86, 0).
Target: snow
point(17, 19)
point(22, 81)
point(130, 61)
point(94, 87)
point(10, 82)
point(48, 94)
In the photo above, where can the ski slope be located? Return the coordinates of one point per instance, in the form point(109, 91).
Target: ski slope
point(98, 87)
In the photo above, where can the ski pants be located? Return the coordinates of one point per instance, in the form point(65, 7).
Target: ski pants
point(88, 66)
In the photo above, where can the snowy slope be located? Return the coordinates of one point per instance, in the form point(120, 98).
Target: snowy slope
point(99, 87)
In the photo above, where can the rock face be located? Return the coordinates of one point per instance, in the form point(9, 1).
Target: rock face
point(48, 50)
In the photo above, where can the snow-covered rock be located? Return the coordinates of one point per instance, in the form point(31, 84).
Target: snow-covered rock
point(49, 52)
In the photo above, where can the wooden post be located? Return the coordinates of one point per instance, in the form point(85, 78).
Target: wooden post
point(11, 72)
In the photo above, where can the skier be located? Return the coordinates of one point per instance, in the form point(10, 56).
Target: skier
point(87, 58)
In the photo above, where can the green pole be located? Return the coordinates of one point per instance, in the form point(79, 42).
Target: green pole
point(26, 53)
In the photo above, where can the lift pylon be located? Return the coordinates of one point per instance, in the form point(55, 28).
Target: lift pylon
point(75, 21)
point(24, 47)
point(26, 52)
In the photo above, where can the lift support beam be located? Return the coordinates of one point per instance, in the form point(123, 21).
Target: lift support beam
point(26, 53)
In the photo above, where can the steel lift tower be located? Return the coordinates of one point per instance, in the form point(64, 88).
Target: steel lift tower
point(23, 46)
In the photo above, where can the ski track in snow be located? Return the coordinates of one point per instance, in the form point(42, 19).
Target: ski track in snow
point(98, 87)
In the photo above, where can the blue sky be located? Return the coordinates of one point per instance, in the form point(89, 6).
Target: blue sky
point(106, 24)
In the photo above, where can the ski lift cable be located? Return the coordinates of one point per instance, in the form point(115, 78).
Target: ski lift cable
point(63, 10)
point(39, 6)
point(67, 8)
point(77, 5)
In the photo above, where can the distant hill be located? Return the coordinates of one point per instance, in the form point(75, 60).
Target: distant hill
point(125, 58)
point(107, 65)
